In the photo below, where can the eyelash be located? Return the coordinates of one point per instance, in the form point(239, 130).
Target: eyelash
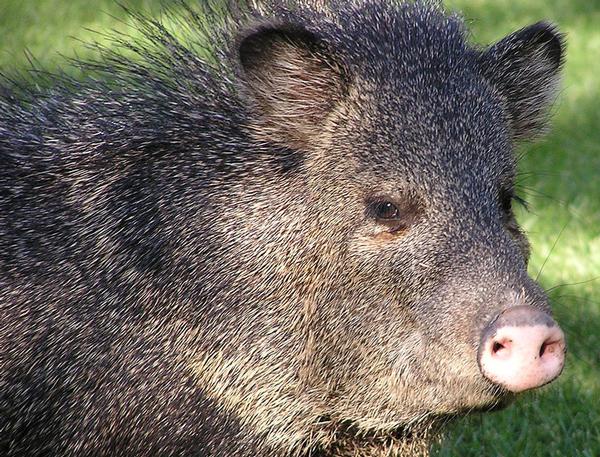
point(507, 197)
point(521, 201)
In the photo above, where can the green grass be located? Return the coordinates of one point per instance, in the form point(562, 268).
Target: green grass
point(48, 28)
point(560, 179)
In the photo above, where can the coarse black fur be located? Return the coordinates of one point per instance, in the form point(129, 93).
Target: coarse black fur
point(193, 259)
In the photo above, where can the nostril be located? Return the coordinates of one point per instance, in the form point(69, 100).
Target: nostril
point(549, 347)
point(497, 347)
point(543, 348)
point(501, 348)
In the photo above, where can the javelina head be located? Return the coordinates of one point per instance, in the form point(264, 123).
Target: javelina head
point(386, 237)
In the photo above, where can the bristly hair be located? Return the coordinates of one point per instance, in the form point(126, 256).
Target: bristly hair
point(154, 171)
point(181, 74)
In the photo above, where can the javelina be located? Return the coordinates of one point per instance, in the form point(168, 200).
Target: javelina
point(301, 243)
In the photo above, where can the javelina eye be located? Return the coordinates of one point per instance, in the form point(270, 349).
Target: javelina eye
point(395, 215)
point(385, 211)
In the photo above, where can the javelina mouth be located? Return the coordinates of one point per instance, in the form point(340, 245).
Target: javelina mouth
point(503, 400)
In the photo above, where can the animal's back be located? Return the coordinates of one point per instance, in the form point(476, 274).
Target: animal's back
point(95, 185)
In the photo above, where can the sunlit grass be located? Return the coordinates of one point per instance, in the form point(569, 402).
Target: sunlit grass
point(50, 28)
point(560, 179)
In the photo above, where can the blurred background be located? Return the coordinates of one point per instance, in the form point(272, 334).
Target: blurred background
point(559, 178)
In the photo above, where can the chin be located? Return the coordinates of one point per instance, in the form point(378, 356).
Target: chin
point(500, 403)
point(496, 401)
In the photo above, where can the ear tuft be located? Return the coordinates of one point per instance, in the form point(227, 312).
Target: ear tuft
point(292, 81)
point(525, 68)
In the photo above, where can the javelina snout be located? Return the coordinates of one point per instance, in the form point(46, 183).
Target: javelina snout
point(487, 296)
point(521, 349)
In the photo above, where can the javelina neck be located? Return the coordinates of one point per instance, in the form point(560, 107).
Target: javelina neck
point(345, 439)
point(346, 444)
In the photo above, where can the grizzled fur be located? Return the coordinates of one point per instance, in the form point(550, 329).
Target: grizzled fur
point(286, 243)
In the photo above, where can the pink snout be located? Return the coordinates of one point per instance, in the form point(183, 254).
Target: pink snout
point(521, 349)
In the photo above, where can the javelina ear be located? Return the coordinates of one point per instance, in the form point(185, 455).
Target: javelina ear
point(525, 68)
point(291, 80)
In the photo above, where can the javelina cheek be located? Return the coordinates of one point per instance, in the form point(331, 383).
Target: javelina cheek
point(403, 355)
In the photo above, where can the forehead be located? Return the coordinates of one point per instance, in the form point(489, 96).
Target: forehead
point(432, 135)
point(424, 107)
